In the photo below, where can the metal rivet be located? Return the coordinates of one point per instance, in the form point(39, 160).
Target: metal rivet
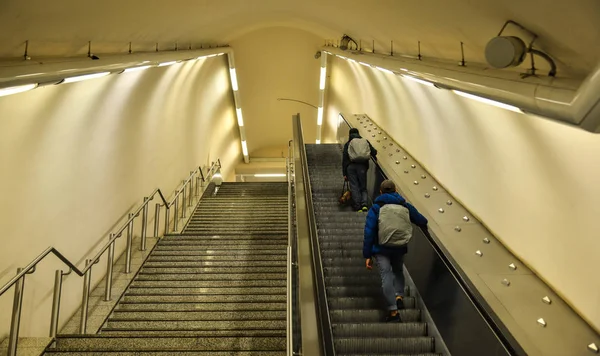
point(512, 266)
point(406, 171)
point(369, 130)
point(547, 300)
point(380, 134)
point(416, 183)
point(427, 195)
point(397, 150)
point(441, 210)
point(466, 218)
point(486, 240)
point(479, 253)
point(542, 322)
point(391, 154)
point(593, 347)
point(391, 144)
point(435, 188)
point(423, 176)
point(404, 157)
point(413, 166)
point(378, 141)
point(385, 148)
point(365, 126)
point(397, 162)
point(384, 137)
point(373, 135)
point(371, 124)
point(458, 228)
point(506, 282)
point(449, 202)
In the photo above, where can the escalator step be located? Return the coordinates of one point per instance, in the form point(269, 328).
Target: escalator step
point(379, 330)
point(372, 315)
point(379, 345)
point(365, 303)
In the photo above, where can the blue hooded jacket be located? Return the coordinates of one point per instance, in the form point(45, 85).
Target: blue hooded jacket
point(370, 245)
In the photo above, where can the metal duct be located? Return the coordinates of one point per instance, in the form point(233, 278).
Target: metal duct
point(574, 102)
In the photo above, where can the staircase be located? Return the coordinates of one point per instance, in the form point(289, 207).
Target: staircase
point(217, 289)
point(356, 304)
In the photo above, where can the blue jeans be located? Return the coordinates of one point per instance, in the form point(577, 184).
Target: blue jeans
point(357, 177)
point(392, 276)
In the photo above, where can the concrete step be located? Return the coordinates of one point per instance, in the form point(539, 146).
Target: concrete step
point(235, 256)
point(209, 284)
point(212, 270)
point(225, 291)
point(265, 250)
point(221, 263)
point(238, 307)
point(210, 277)
point(170, 353)
point(191, 315)
point(197, 325)
point(123, 343)
point(162, 298)
point(194, 333)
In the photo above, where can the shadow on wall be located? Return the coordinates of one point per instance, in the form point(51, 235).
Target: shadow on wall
point(533, 182)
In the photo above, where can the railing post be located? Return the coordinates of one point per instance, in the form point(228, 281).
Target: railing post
point(129, 241)
point(16, 316)
point(144, 224)
point(109, 270)
point(183, 203)
point(197, 186)
point(85, 299)
point(58, 277)
point(191, 193)
point(156, 219)
point(167, 219)
point(176, 213)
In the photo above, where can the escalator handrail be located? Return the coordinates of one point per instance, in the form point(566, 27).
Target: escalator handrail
point(325, 331)
point(484, 309)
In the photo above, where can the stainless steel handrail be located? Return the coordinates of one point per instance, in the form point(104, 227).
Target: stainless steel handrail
point(19, 279)
point(290, 262)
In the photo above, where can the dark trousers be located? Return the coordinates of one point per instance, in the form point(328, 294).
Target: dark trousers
point(357, 177)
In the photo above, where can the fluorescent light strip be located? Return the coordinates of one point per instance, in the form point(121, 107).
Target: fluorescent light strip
point(85, 77)
point(135, 69)
point(320, 116)
point(167, 63)
point(385, 70)
point(364, 64)
point(240, 118)
point(244, 148)
point(421, 81)
point(323, 76)
point(17, 89)
point(234, 83)
point(269, 175)
point(488, 101)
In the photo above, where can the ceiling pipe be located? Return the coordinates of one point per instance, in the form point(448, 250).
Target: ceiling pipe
point(53, 70)
point(570, 101)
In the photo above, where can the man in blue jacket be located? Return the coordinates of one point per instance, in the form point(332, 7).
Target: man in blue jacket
point(355, 163)
point(388, 230)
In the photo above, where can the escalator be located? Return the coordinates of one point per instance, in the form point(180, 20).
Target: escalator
point(353, 294)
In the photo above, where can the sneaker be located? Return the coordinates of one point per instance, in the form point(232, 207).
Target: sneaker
point(400, 303)
point(364, 209)
point(392, 318)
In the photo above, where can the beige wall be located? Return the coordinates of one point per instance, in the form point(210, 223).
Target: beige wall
point(75, 158)
point(533, 182)
point(273, 63)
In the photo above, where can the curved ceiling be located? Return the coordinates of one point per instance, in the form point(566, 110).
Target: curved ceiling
point(569, 30)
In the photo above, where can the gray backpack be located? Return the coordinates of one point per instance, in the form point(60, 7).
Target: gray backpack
point(359, 150)
point(395, 229)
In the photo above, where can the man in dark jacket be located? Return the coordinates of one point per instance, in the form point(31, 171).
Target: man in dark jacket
point(356, 173)
point(389, 259)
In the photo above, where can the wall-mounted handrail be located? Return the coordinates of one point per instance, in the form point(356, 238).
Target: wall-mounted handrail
point(19, 278)
point(290, 262)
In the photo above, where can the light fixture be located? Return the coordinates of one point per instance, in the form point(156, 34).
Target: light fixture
point(164, 64)
point(234, 83)
point(17, 89)
point(322, 80)
point(244, 148)
point(488, 101)
point(135, 69)
point(364, 64)
point(421, 81)
point(80, 78)
point(318, 142)
point(240, 118)
point(320, 116)
point(384, 70)
point(269, 175)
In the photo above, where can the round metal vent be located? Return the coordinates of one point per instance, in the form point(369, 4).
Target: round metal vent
point(505, 51)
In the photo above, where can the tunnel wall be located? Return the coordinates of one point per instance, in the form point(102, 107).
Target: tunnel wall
point(76, 158)
point(532, 182)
